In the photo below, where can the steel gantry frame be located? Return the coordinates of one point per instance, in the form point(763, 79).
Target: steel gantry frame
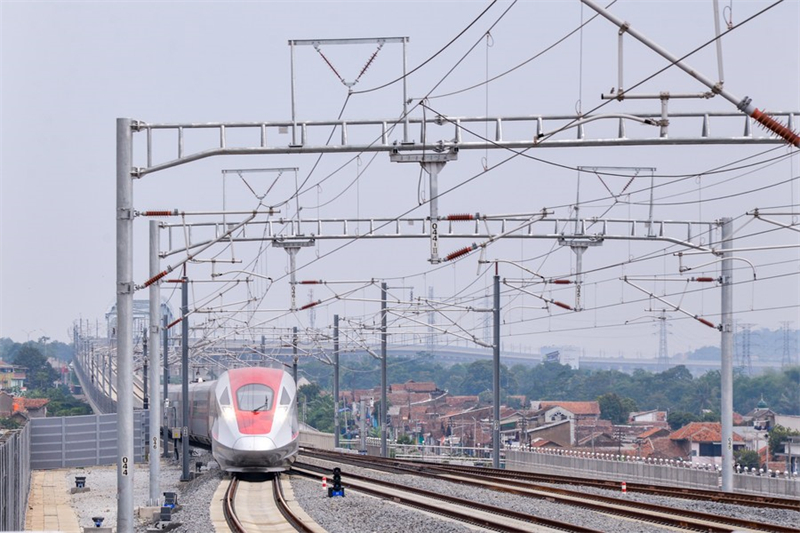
point(377, 139)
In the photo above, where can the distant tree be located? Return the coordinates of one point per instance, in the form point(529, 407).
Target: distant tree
point(478, 378)
point(39, 374)
point(747, 458)
point(62, 403)
point(777, 436)
point(678, 419)
point(514, 403)
point(404, 439)
point(710, 416)
point(9, 423)
point(614, 408)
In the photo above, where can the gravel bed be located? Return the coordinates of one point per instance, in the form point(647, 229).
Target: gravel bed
point(193, 497)
point(541, 508)
point(365, 514)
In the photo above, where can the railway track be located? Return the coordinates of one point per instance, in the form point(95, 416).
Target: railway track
point(462, 510)
point(748, 500)
point(502, 481)
point(260, 506)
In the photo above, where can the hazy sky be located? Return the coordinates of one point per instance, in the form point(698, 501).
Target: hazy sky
point(69, 69)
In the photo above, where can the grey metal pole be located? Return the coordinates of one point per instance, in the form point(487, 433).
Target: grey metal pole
point(155, 361)
point(384, 450)
point(291, 68)
point(145, 398)
point(496, 375)
point(336, 429)
point(165, 323)
point(185, 475)
point(362, 427)
point(405, 92)
point(125, 457)
point(726, 407)
point(294, 354)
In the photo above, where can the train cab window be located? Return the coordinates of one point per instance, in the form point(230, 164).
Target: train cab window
point(225, 398)
point(255, 397)
point(285, 399)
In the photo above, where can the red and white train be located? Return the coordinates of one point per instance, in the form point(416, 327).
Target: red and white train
point(248, 416)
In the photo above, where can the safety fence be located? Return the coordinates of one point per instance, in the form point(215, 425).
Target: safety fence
point(75, 441)
point(662, 472)
point(15, 478)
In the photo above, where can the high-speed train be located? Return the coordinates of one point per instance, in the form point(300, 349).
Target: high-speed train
point(248, 416)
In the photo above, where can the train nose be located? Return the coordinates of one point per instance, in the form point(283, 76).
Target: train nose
point(254, 443)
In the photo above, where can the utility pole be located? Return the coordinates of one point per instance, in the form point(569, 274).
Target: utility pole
point(155, 405)
point(496, 372)
point(185, 475)
point(663, 354)
point(145, 399)
point(294, 354)
point(727, 356)
point(125, 287)
point(384, 451)
point(336, 429)
point(786, 359)
point(165, 330)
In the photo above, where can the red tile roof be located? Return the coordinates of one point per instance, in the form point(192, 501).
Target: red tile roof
point(576, 408)
point(702, 432)
point(34, 403)
point(665, 448)
point(650, 432)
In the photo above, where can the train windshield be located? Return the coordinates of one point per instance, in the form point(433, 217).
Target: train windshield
point(255, 397)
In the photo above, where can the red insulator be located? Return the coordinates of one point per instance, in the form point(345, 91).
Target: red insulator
point(310, 282)
point(776, 127)
point(459, 253)
point(706, 322)
point(561, 281)
point(312, 304)
point(461, 216)
point(563, 305)
point(174, 322)
point(705, 280)
point(158, 213)
point(155, 278)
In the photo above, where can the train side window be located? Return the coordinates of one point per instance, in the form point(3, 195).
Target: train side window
point(285, 399)
point(225, 398)
point(255, 397)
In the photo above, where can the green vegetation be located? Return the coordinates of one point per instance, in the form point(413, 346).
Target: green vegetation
point(315, 407)
point(41, 378)
point(48, 348)
point(39, 373)
point(746, 458)
point(777, 436)
point(62, 403)
point(9, 423)
point(687, 398)
point(616, 409)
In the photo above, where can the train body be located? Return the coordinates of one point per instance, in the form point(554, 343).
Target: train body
point(248, 416)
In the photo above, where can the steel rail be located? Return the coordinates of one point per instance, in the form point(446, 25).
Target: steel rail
point(749, 500)
point(229, 509)
point(490, 478)
point(448, 508)
point(286, 511)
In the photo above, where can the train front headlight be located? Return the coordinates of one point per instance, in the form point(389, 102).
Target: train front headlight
point(280, 415)
point(228, 413)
